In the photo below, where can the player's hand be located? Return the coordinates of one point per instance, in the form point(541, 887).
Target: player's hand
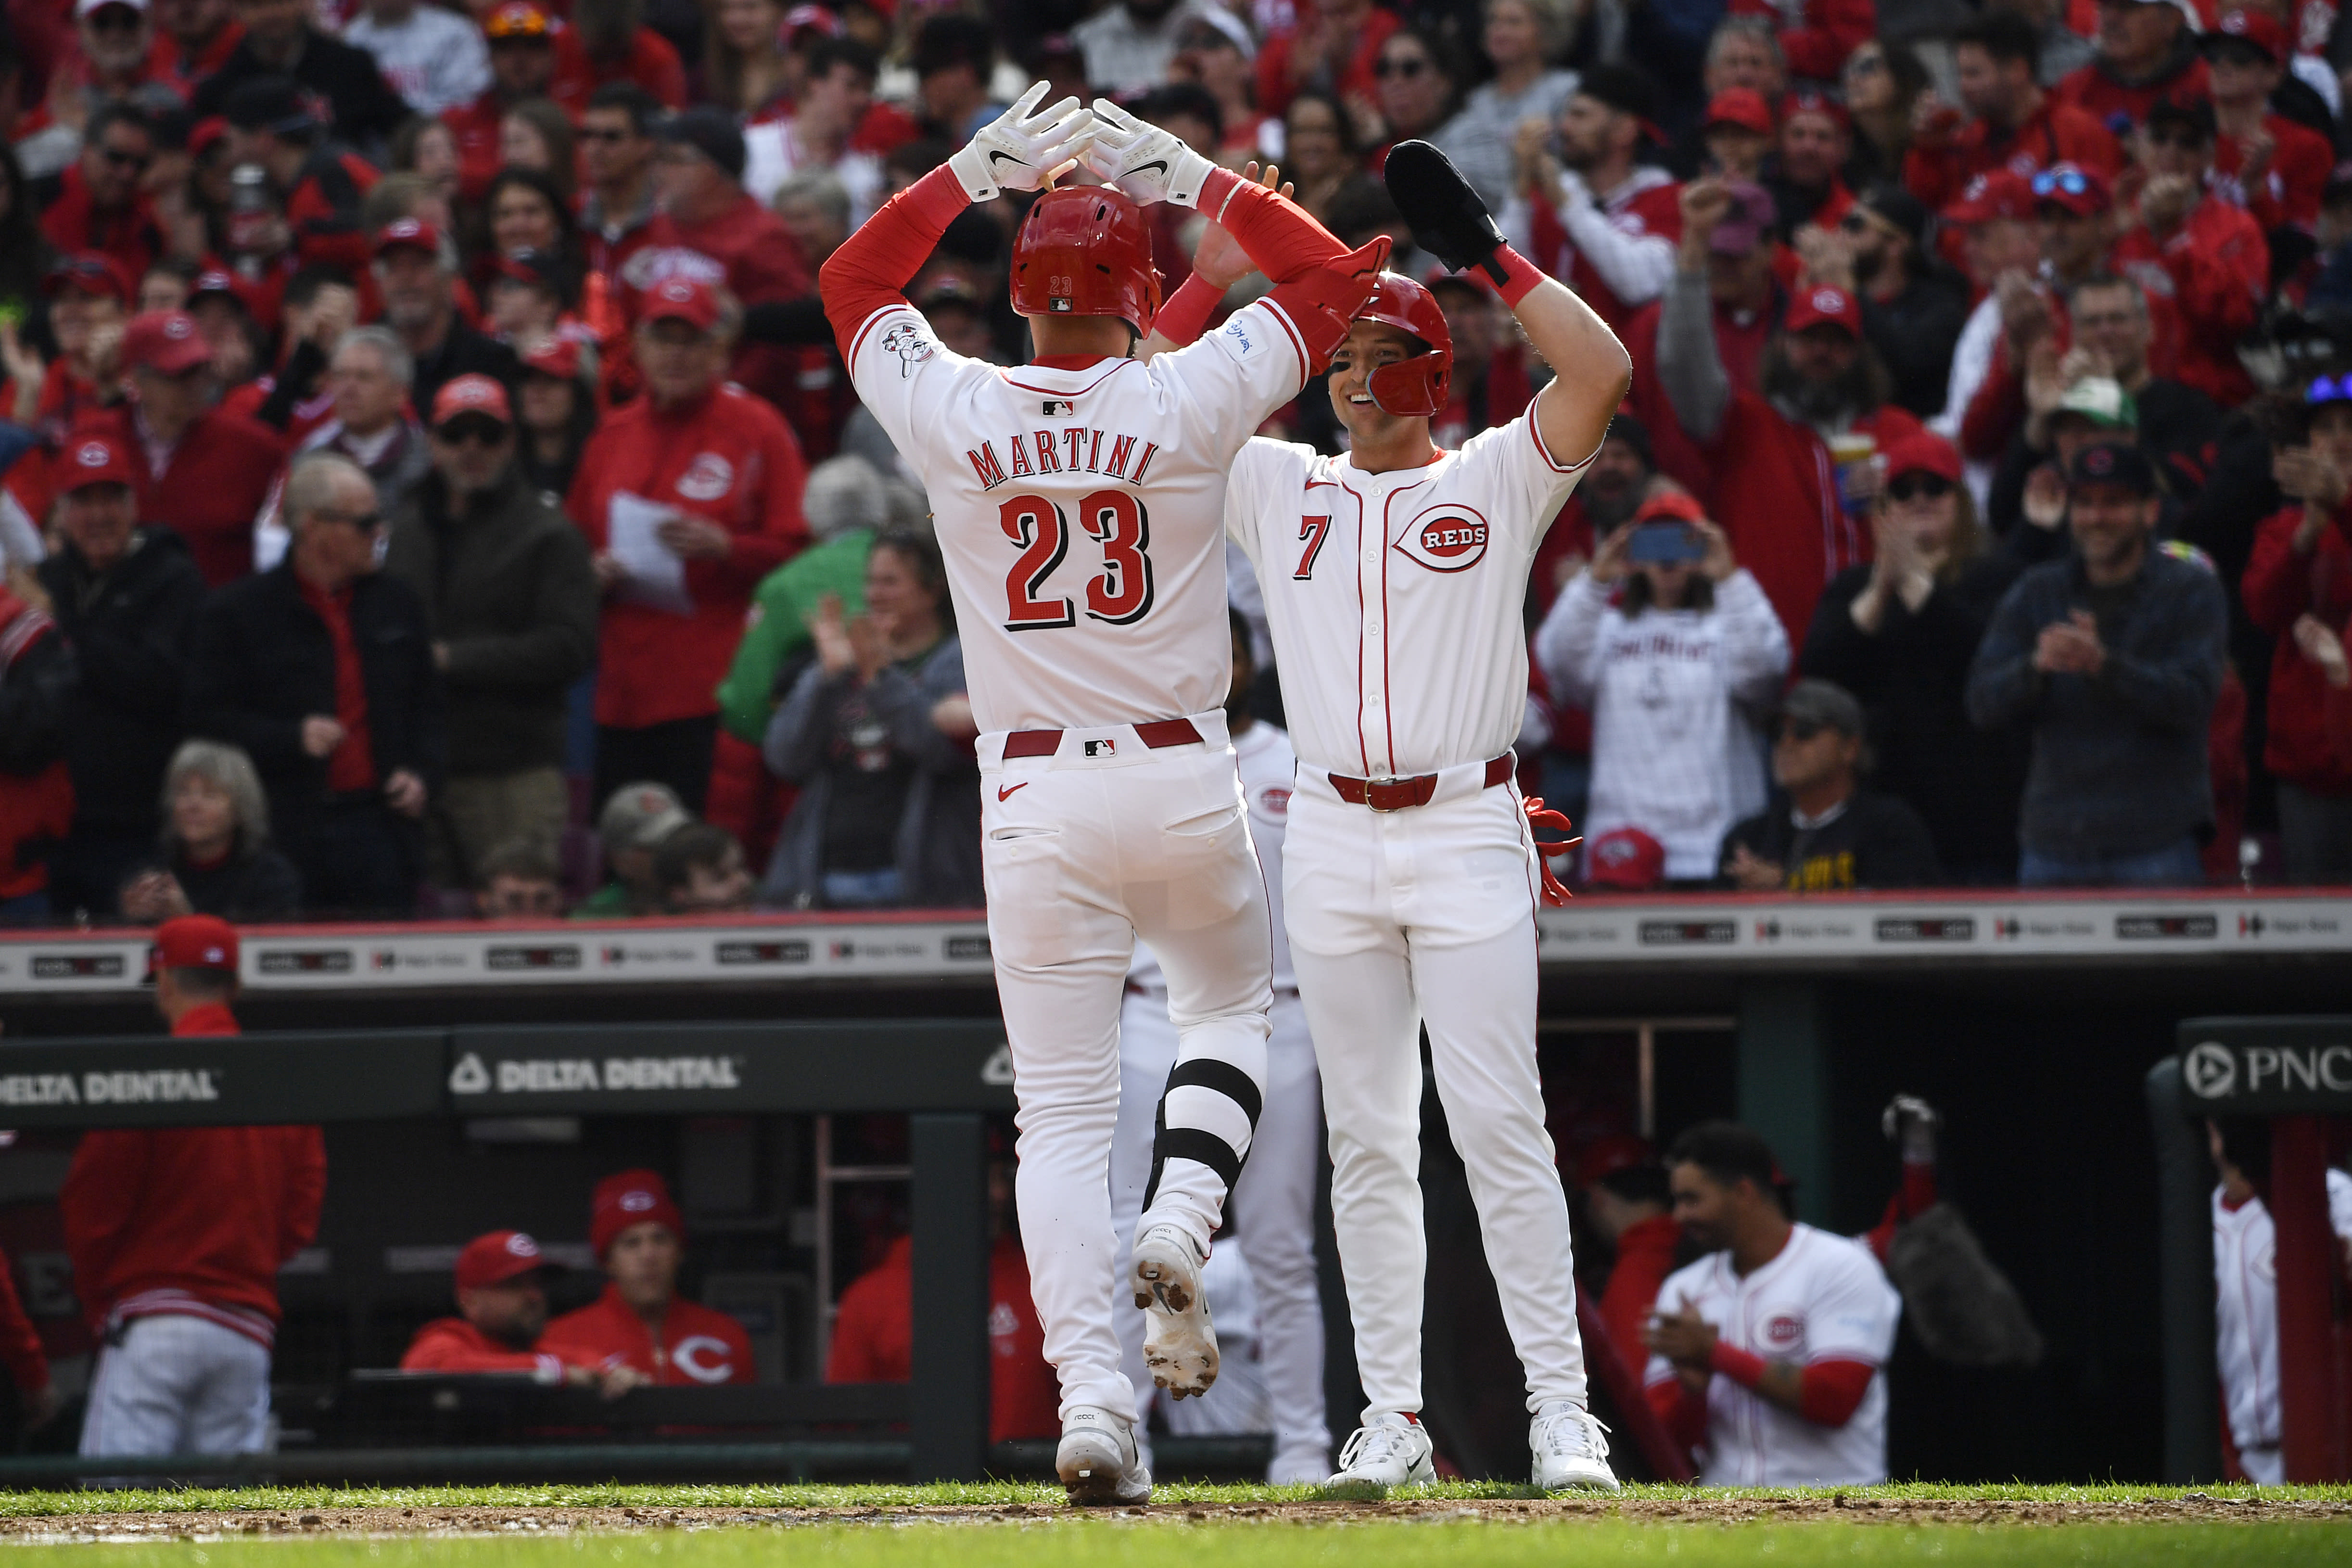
point(1147, 163)
point(1023, 148)
point(1682, 1337)
point(1219, 258)
point(320, 735)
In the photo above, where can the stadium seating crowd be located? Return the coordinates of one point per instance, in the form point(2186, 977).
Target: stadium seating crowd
point(1996, 359)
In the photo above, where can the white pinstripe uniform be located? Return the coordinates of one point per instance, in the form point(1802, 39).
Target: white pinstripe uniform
point(2245, 1303)
point(1394, 602)
point(1078, 509)
point(1275, 1200)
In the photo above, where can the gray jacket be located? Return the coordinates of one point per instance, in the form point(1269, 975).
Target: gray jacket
point(2120, 759)
point(938, 850)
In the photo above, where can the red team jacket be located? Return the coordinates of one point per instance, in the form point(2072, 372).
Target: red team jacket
point(135, 238)
point(453, 1345)
point(1936, 170)
point(212, 489)
point(2215, 269)
point(697, 1345)
point(873, 1338)
point(190, 1220)
point(729, 458)
point(2280, 587)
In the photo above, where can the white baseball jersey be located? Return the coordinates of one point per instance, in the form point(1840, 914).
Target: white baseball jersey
point(1080, 510)
point(2245, 1320)
point(1268, 768)
point(1394, 599)
point(1824, 1297)
point(1674, 749)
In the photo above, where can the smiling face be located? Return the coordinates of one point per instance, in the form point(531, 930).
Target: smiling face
point(1411, 92)
point(1313, 140)
point(1370, 345)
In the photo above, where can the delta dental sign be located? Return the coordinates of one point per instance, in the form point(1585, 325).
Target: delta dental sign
point(2268, 1066)
point(579, 1075)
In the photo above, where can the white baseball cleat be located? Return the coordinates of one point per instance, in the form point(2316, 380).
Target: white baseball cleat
point(1097, 1460)
point(1393, 1450)
point(1180, 1343)
point(1570, 1452)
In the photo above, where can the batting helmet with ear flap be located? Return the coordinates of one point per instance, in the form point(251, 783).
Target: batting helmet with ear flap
point(1416, 385)
point(1085, 250)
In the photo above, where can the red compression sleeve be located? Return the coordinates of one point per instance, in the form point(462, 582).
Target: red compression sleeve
point(1683, 1412)
point(1188, 311)
point(1745, 1368)
point(1519, 275)
point(1918, 1188)
point(1830, 1392)
point(1275, 231)
point(866, 273)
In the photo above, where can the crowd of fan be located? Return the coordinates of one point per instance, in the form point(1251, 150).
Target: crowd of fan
point(432, 487)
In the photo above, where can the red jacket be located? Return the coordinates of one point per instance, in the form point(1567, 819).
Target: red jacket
point(2288, 193)
point(2118, 105)
point(213, 488)
point(874, 1336)
point(1818, 44)
point(1357, 83)
point(653, 64)
point(747, 248)
point(1780, 504)
point(475, 128)
point(1937, 170)
point(1739, 342)
point(135, 238)
point(698, 1344)
point(728, 457)
point(1655, 210)
point(324, 213)
point(453, 1345)
point(2280, 587)
point(20, 1343)
point(2216, 269)
point(176, 1219)
point(1645, 1256)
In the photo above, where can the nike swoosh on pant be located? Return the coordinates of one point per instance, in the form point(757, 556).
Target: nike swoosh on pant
point(1005, 790)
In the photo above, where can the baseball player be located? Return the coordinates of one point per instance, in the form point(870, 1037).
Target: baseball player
point(1275, 1195)
point(2245, 1288)
point(1394, 580)
point(1078, 500)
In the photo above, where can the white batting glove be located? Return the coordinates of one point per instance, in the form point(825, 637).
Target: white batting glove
point(1146, 162)
point(1023, 147)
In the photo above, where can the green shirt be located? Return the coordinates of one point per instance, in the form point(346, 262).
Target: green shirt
point(609, 902)
point(782, 608)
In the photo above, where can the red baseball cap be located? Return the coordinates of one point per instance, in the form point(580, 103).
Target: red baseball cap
point(1923, 453)
point(1995, 194)
point(474, 394)
point(218, 280)
point(412, 234)
point(495, 1259)
point(1823, 305)
point(1626, 858)
point(809, 18)
point(687, 300)
point(630, 1197)
point(194, 941)
point(96, 459)
point(518, 19)
point(91, 272)
point(1741, 106)
point(2260, 28)
point(1607, 1156)
point(558, 357)
point(207, 133)
point(1672, 506)
point(1813, 101)
point(165, 342)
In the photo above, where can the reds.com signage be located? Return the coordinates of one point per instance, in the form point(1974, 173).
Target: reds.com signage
point(2267, 1067)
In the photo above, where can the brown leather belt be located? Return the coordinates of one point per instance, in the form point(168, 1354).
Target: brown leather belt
point(1396, 795)
point(1159, 734)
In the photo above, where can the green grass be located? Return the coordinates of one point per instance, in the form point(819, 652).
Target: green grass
point(36, 1504)
point(1108, 1545)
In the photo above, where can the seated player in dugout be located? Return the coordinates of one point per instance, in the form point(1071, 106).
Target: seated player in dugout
point(502, 1305)
point(641, 1323)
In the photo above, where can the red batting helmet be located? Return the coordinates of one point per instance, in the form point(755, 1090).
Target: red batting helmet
point(1085, 251)
point(1416, 386)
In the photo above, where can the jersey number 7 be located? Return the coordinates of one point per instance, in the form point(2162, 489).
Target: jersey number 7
point(1116, 521)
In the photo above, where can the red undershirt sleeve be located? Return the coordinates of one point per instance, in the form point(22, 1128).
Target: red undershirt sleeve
point(871, 267)
point(1187, 311)
point(1683, 1412)
point(1830, 1392)
point(1275, 231)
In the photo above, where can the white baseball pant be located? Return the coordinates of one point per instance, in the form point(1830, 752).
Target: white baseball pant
point(1428, 915)
point(1273, 1211)
point(178, 1384)
point(1082, 854)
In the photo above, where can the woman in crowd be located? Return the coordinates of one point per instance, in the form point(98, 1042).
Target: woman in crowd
point(1882, 83)
point(1207, 52)
point(557, 410)
point(1674, 651)
point(428, 149)
point(1419, 87)
point(1522, 38)
point(744, 64)
point(1320, 152)
point(537, 135)
point(217, 858)
point(877, 733)
point(1899, 634)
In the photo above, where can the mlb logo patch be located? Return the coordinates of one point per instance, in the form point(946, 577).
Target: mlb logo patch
point(1061, 405)
point(1101, 748)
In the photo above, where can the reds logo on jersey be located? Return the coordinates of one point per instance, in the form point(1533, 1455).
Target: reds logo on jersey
point(906, 339)
point(1784, 1332)
point(1276, 802)
point(1446, 538)
point(703, 1358)
point(708, 478)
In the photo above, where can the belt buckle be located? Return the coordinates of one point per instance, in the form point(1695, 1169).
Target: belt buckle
point(1372, 784)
